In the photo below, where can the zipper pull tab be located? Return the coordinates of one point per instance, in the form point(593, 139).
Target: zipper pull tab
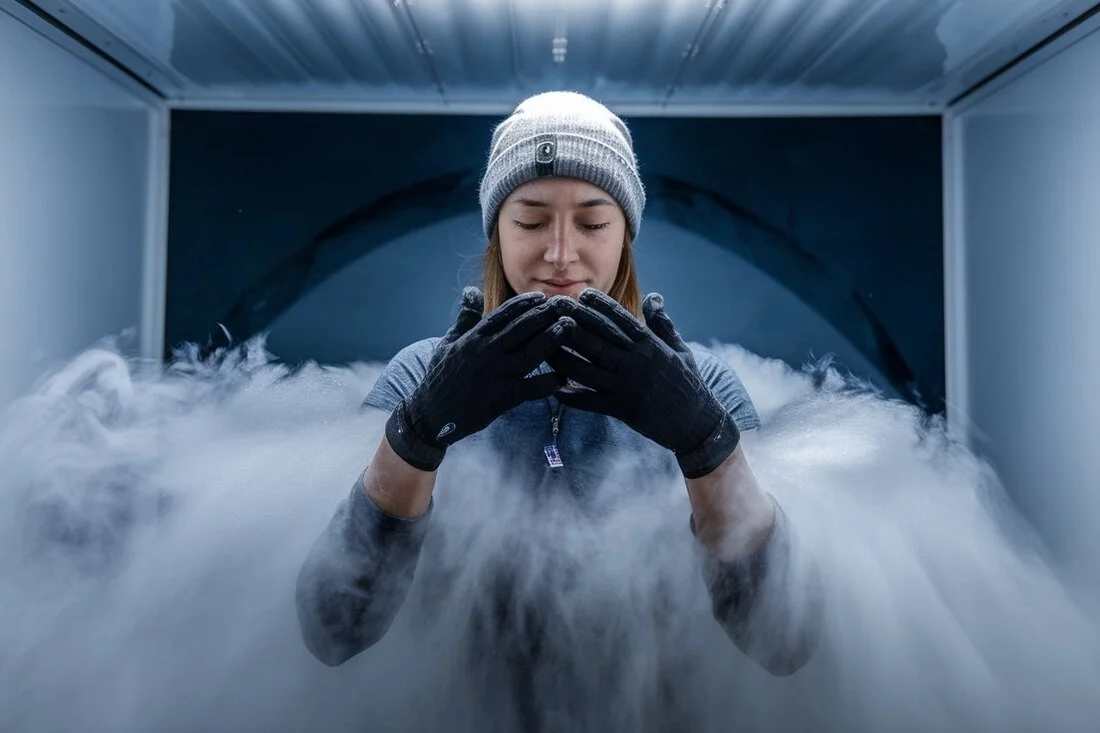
point(553, 457)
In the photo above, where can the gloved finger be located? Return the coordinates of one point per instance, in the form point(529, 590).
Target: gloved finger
point(469, 314)
point(517, 333)
point(596, 350)
point(537, 387)
point(596, 324)
point(503, 316)
point(600, 402)
point(577, 369)
point(653, 309)
point(609, 307)
point(537, 348)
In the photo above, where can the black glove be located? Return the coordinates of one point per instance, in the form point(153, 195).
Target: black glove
point(646, 376)
point(477, 373)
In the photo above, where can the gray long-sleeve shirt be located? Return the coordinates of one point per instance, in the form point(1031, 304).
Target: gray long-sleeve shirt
point(359, 571)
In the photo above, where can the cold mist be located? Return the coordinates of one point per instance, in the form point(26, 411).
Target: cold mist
point(153, 521)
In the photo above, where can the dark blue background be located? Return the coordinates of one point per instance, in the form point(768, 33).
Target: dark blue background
point(844, 213)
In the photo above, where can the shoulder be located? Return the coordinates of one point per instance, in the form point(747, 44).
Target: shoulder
point(726, 386)
point(402, 374)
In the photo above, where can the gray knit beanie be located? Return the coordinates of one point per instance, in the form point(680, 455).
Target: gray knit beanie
point(562, 134)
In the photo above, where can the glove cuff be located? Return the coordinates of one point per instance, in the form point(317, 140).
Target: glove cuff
point(715, 449)
point(408, 445)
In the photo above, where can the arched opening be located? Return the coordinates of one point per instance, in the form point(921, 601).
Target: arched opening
point(406, 289)
point(861, 341)
point(393, 241)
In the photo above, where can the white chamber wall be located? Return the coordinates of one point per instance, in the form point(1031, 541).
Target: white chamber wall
point(1023, 284)
point(82, 164)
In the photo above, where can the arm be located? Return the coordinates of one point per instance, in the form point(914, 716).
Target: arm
point(731, 514)
point(758, 586)
point(359, 571)
point(747, 540)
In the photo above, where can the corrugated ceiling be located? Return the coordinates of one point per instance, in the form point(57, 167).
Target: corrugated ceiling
point(667, 54)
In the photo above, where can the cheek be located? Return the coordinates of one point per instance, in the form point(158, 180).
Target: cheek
point(608, 264)
point(517, 261)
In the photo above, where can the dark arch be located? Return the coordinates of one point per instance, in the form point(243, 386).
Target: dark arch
point(766, 245)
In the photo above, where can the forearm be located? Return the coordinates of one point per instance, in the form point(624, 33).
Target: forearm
point(359, 570)
point(395, 487)
point(732, 515)
point(769, 608)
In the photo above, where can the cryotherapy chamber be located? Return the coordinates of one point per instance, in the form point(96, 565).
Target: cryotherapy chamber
point(903, 186)
point(909, 187)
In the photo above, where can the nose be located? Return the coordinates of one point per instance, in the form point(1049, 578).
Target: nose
point(561, 250)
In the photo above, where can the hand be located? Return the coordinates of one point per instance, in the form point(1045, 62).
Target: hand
point(646, 376)
point(477, 373)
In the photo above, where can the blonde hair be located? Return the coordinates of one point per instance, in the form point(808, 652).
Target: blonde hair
point(624, 289)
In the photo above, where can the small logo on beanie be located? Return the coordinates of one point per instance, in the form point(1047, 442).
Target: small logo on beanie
point(546, 150)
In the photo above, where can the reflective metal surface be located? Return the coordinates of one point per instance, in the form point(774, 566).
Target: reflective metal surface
point(459, 55)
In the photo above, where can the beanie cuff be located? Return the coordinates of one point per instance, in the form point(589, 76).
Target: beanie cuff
point(575, 156)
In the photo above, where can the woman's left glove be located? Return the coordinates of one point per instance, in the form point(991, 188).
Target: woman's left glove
point(646, 376)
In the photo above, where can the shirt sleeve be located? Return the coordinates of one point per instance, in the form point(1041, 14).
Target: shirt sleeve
point(402, 375)
point(755, 601)
point(727, 387)
point(359, 570)
point(356, 577)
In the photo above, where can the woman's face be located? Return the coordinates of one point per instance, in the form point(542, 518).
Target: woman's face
point(559, 236)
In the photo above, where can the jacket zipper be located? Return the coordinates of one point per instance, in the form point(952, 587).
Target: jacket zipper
point(553, 456)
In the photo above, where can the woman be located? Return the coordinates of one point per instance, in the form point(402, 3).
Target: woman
point(559, 362)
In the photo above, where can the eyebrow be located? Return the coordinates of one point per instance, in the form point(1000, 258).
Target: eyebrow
point(588, 204)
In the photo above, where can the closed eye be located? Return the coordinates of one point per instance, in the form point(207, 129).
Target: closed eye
point(586, 227)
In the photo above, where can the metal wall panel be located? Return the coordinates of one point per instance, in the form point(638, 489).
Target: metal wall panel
point(672, 54)
point(82, 186)
point(1024, 308)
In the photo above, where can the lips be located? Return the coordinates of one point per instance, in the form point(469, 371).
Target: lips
point(562, 283)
